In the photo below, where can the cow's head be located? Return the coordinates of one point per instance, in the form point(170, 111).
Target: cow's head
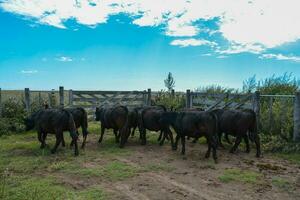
point(98, 114)
point(29, 124)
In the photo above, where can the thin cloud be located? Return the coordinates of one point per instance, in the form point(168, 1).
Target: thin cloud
point(191, 42)
point(28, 72)
point(280, 57)
point(64, 59)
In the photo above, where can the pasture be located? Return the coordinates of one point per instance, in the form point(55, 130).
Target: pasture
point(104, 171)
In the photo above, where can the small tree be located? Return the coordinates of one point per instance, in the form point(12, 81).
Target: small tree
point(169, 82)
point(250, 84)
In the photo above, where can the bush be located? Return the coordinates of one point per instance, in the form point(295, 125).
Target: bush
point(166, 99)
point(13, 115)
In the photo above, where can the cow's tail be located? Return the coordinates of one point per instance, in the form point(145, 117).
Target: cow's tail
point(216, 129)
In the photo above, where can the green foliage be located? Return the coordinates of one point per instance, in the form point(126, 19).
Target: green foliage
point(215, 89)
point(169, 82)
point(244, 176)
point(166, 99)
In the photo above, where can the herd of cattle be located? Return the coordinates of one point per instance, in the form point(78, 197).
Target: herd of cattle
point(188, 123)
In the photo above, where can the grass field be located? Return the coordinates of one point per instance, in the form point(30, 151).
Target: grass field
point(139, 172)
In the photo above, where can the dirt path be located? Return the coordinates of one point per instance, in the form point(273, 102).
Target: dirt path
point(168, 175)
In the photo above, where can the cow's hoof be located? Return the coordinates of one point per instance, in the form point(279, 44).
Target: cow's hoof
point(206, 155)
point(258, 155)
point(216, 161)
point(76, 154)
point(231, 151)
point(247, 151)
point(174, 148)
point(53, 151)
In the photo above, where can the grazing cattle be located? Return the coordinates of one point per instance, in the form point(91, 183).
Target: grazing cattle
point(238, 123)
point(111, 117)
point(53, 121)
point(193, 124)
point(81, 120)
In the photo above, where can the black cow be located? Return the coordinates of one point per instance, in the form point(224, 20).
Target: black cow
point(145, 117)
point(54, 121)
point(238, 123)
point(81, 120)
point(195, 125)
point(111, 117)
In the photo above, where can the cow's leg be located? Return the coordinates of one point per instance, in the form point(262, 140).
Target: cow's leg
point(84, 139)
point(236, 144)
point(227, 138)
point(63, 143)
point(246, 139)
point(220, 134)
point(117, 135)
point(133, 131)
point(182, 144)
point(143, 136)
point(43, 145)
point(102, 133)
point(74, 140)
point(160, 136)
point(170, 134)
point(40, 135)
point(257, 144)
point(58, 135)
point(176, 142)
point(207, 155)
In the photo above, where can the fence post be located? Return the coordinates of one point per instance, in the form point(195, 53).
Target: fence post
point(27, 100)
point(61, 96)
point(297, 117)
point(256, 107)
point(149, 97)
point(188, 99)
point(70, 98)
point(0, 103)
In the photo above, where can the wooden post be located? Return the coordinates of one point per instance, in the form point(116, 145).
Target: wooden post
point(70, 98)
point(0, 103)
point(172, 93)
point(53, 100)
point(61, 97)
point(149, 97)
point(27, 100)
point(188, 101)
point(49, 100)
point(296, 136)
point(270, 114)
point(256, 107)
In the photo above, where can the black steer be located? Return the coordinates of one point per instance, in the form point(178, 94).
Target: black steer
point(238, 123)
point(81, 120)
point(195, 125)
point(53, 121)
point(111, 117)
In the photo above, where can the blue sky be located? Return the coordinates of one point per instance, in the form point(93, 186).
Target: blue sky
point(132, 45)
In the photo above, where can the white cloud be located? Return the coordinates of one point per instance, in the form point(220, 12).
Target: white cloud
point(248, 25)
point(64, 59)
point(191, 42)
point(29, 71)
point(280, 57)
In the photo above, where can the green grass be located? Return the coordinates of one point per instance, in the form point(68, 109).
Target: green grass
point(46, 188)
point(244, 176)
point(158, 167)
point(281, 183)
point(292, 157)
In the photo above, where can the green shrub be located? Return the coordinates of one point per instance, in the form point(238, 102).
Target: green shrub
point(166, 99)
